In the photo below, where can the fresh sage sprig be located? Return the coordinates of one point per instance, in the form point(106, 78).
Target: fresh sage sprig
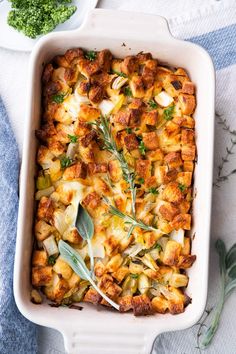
point(73, 258)
point(130, 220)
point(104, 130)
point(85, 227)
point(227, 263)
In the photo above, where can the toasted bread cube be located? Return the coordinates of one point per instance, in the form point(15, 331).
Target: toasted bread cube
point(73, 281)
point(172, 193)
point(88, 113)
point(107, 285)
point(187, 103)
point(97, 168)
point(149, 239)
point(171, 253)
point(188, 166)
point(129, 65)
point(187, 136)
point(165, 226)
point(159, 173)
point(110, 244)
point(92, 296)
point(76, 171)
point(150, 118)
point(143, 168)
point(92, 200)
point(42, 230)
point(184, 178)
point(45, 209)
point(137, 86)
point(173, 160)
point(39, 258)
point(182, 221)
point(172, 128)
point(155, 155)
point(120, 274)
point(188, 152)
point(168, 211)
point(186, 261)
point(114, 263)
point(42, 276)
point(184, 206)
point(175, 301)
point(159, 304)
point(60, 290)
point(35, 297)
point(178, 280)
point(72, 236)
point(114, 170)
point(188, 87)
point(99, 269)
point(131, 142)
point(81, 128)
point(61, 267)
point(125, 303)
point(187, 246)
point(150, 140)
point(141, 305)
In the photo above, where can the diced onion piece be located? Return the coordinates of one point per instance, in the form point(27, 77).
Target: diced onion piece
point(44, 193)
point(79, 98)
point(119, 82)
point(149, 262)
point(70, 214)
point(71, 150)
point(72, 106)
point(143, 283)
point(118, 101)
point(134, 250)
point(178, 280)
point(163, 99)
point(50, 245)
point(59, 221)
point(106, 106)
point(178, 236)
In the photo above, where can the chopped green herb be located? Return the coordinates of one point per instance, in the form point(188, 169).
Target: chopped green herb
point(182, 187)
point(127, 91)
point(141, 180)
point(142, 148)
point(134, 276)
point(73, 138)
point(65, 162)
point(128, 130)
point(168, 112)
point(158, 246)
point(58, 98)
point(152, 104)
point(33, 18)
point(153, 190)
point(91, 55)
point(136, 129)
point(119, 73)
point(51, 260)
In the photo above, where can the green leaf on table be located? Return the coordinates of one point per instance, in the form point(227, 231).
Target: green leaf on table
point(232, 272)
point(231, 256)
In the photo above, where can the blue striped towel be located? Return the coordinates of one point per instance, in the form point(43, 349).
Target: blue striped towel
point(17, 335)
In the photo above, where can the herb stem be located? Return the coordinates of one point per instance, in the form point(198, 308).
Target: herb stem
point(90, 252)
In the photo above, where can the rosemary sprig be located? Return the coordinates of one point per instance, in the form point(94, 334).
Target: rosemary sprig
point(130, 220)
point(104, 130)
point(227, 263)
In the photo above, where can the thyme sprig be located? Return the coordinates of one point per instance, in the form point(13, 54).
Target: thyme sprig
point(227, 262)
point(104, 130)
point(130, 220)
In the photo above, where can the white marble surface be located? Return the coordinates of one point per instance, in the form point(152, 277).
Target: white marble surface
point(13, 80)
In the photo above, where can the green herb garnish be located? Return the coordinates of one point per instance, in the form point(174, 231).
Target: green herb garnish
point(85, 227)
point(158, 246)
point(127, 91)
point(128, 130)
point(34, 18)
point(141, 180)
point(182, 187)
point(142, 148)
point(119, 73)
point(58, 98)
point(227, 262)
point(66, 162)
point(168, 112)
point(134, 276)
point(73, 138)
point(104, 130)
point(51, 260)
point(152, 104)
point(73, 258)
point(153, 190)
point(91, 55)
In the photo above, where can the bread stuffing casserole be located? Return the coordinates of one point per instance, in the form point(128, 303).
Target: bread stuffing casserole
point(114, 183)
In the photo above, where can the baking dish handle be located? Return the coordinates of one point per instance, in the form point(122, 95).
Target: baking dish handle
point(85, 341)
point(134, 25)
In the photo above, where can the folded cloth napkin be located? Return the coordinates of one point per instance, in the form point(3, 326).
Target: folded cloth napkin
point(17, 334)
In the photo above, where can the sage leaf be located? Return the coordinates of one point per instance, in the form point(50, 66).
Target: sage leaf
point(76, 262)
point(85, 227)
point(232, 272)
point(230, 287)
point(231, 256)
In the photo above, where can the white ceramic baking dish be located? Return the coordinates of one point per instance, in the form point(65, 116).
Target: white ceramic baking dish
point(98, 330)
